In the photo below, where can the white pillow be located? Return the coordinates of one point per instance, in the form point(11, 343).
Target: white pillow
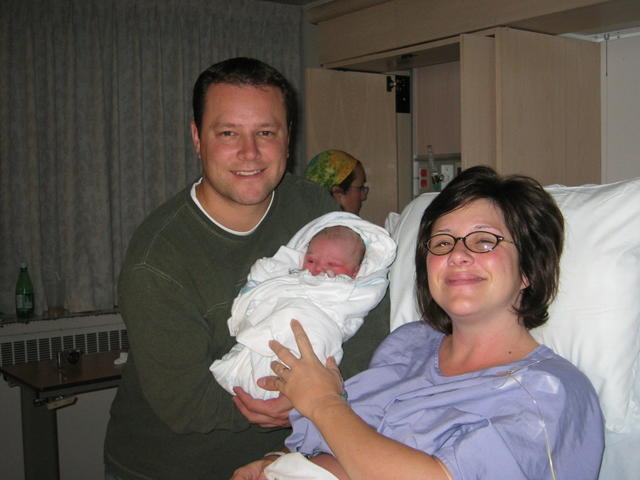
point(402, 276)
point(595, 319)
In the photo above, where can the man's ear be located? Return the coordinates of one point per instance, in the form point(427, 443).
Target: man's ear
point(195, 137)
point(336, 192)
point(525, 282)
point(289, 137)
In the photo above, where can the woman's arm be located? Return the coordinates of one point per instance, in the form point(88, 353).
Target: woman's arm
point(330, 463)
point(316, 392)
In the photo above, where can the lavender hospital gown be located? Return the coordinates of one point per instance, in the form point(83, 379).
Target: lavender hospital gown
point(504, 422)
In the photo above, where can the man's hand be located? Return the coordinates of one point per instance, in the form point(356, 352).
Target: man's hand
point(253, 470)
point(266, 413)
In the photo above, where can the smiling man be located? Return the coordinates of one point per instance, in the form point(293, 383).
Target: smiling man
point(242, 141)
point(184, 266)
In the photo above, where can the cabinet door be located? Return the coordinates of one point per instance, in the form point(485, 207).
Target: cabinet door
point(437, 108)
point(354, 112)
point(547, 107)
point(477, 101)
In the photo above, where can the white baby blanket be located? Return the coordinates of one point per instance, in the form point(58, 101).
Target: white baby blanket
point(295, 466)
point(331, 309)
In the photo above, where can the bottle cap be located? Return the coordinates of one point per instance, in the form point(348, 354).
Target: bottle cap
point(23, 265)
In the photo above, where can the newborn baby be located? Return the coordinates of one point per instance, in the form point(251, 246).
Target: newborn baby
point(329, 276)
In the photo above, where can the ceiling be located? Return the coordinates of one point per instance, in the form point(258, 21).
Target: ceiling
point(292, 2)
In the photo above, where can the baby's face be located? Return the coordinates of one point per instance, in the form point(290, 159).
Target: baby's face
point(333, 256)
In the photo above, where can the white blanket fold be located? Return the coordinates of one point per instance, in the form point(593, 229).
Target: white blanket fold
point(295, 466)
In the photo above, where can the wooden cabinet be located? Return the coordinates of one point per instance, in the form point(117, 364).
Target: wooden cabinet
point(348, 30)
point(521, 102)
point(518, 101)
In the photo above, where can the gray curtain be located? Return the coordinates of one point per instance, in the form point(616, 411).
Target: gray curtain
point(95, 105)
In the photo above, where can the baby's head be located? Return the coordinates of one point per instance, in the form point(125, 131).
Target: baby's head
point(336, 250)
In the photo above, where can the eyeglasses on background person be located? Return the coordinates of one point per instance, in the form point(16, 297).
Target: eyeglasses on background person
point(364, 189)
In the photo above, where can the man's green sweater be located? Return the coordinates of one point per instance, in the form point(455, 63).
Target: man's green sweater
point(170, 419)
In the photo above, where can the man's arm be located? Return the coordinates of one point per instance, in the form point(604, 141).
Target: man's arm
point(171, 344)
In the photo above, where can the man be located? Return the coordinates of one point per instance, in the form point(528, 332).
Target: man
point(186, 263)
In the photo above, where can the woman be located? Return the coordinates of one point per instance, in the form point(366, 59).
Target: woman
point(466, 393)
point(341, 174)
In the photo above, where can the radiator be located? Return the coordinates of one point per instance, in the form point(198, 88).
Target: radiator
point(41, 340)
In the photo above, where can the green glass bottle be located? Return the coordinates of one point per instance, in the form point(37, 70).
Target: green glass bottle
point(24, 293)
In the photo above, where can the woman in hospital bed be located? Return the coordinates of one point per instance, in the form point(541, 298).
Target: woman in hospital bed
point(466, 392)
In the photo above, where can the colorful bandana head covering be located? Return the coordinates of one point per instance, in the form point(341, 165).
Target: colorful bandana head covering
point(330, 168)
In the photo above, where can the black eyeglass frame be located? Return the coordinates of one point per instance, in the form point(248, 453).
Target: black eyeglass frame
point(499, 238)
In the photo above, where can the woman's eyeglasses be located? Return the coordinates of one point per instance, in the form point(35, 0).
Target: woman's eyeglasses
point(477, 242)
point(364, 190)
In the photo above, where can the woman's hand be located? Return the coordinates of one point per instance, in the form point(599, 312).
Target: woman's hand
point(309, 385)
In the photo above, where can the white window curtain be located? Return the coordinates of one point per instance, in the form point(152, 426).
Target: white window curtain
point(95, 105)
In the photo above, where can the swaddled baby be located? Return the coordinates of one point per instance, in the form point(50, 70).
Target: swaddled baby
point(329, 276)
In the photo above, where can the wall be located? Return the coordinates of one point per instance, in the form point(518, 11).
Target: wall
point(620, 108)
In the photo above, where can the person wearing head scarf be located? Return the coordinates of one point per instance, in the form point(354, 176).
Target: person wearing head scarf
point(343, 175)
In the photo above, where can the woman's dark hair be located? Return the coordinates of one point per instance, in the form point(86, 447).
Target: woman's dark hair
point(242, 71)
point(533, 220)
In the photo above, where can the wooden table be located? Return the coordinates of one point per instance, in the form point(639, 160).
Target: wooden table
point(43, 386)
